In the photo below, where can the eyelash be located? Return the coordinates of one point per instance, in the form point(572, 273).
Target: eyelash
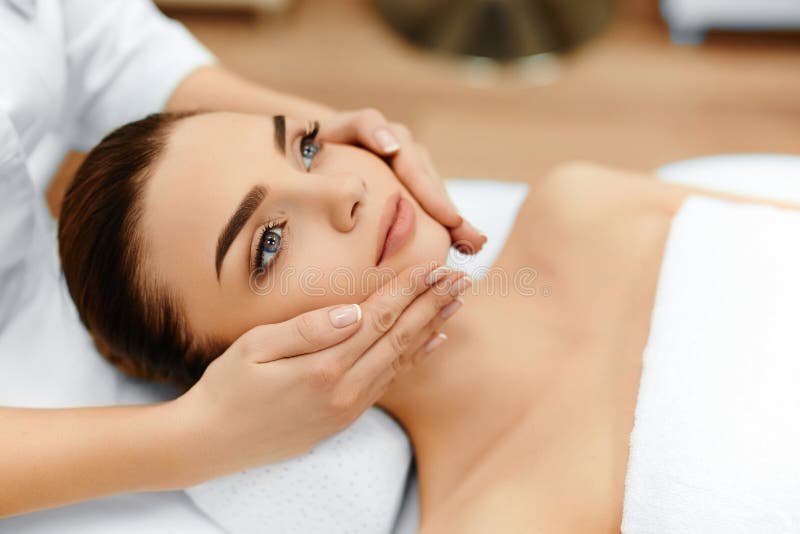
point(270, 226)
point(308, 141)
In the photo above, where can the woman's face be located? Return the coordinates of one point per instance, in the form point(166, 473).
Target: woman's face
point(247, 223)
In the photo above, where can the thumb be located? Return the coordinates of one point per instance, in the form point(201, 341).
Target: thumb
point(305, 334)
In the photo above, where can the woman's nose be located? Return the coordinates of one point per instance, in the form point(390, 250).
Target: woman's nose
point(342, 195)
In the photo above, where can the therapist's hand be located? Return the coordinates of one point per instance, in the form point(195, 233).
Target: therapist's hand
point(282, 388)
point(411, 163)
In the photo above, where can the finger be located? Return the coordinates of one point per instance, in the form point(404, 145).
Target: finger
point(387, 351)
point(367, 127)
point(407, 361)
point(467, 239)
point(411, 168)
point(436, 181)
point(383, 382)
point(382, 309)
point(435, 341)
point(427, 162)
point(309, 332)
point(379, 313)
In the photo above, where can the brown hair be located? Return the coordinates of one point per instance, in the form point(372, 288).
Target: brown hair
point(134, 321)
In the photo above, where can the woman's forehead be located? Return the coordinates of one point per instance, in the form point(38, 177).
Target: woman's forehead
point(219, 133)
point(209, 163)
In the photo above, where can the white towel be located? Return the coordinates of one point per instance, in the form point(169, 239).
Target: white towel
point(716, 441)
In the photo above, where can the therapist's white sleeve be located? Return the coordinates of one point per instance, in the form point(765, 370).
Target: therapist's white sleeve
point(124, 61)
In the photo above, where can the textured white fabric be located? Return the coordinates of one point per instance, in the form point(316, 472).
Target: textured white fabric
point(352, 482)
point(716, 435)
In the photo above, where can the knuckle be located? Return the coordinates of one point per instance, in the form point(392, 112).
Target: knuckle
point(372, 116)
point(325, 374)
point(307, 329)
point(250, 342)
point(400, 340)
point(405, 363)
point(397, 365)
point(382, 319)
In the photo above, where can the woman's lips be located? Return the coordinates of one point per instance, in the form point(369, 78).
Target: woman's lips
point(395, 226)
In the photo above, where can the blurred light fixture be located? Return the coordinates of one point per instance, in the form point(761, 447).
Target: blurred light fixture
point(497, 29)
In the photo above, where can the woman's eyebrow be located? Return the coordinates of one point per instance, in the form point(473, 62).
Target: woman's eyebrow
point(279, 122)
point(249, 204)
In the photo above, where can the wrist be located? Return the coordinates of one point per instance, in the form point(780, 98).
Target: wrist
point(179, 453)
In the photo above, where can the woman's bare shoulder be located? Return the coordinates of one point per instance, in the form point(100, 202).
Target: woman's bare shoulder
point(581, 192)
point(577, 194)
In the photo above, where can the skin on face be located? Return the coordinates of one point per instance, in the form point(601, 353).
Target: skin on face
point(329, 215)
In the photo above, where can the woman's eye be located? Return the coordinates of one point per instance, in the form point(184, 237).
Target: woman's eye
point(308, 151)
point(268, 247)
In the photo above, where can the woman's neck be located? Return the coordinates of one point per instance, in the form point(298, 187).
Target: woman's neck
point(533, 370)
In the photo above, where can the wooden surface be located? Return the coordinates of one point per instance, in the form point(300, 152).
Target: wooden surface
point(629, 98)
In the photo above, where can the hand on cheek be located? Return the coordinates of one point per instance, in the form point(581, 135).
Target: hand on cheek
point(412, 164)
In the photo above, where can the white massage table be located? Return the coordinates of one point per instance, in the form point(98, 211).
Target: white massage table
point(174, 513)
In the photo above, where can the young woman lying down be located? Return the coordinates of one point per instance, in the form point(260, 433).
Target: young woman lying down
point(524, 422)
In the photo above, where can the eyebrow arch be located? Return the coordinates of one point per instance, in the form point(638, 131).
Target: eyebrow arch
point(279, 122)
point(249, 204)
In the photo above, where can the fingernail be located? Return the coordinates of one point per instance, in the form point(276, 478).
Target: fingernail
point(450, 309)
point(461, 286)
point(434, 343)
point(485, 239)
point(342, 316)
point(386, 140)
point(437, 274)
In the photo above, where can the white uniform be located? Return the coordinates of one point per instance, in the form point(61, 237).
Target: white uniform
point(71, 71)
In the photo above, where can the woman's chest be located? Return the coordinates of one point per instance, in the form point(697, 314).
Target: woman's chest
point(534, 431)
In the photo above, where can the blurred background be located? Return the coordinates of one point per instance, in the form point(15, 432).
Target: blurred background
point(506, 89)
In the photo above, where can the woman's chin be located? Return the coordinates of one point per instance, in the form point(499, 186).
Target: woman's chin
point(431, 244)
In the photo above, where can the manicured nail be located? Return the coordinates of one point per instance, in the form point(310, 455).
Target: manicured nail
point(437, 274)
point(434, 343)
point(386, 140)
point(460, 287)
point(450, 309)
point(342, 316)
